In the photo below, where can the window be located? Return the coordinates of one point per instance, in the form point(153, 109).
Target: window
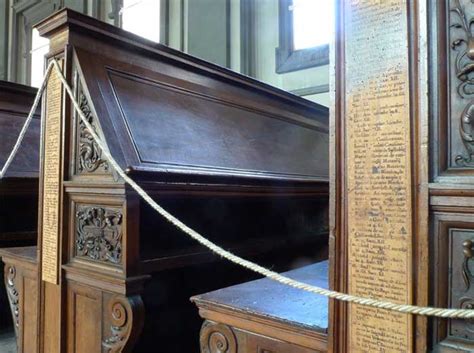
point(142, 17)
point(305, 29)
point(311, 23)
point(39, 48)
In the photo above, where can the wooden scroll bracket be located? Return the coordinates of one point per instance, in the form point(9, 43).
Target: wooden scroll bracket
point(126, 318)
point(217, 338)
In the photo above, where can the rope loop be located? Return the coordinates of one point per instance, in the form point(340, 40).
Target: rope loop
point(370, 302)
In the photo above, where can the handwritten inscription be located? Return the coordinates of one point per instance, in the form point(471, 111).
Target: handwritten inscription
point(51, 180)
point(379, 173)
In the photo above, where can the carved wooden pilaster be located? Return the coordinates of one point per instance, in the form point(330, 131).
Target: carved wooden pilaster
point(13, 295)
point(217, 338)
point(126, 318)
point(463, 44)
point(99, 234)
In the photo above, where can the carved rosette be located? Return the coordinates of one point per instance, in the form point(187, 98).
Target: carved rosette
point(126, 322)
point(99, 234)
point(90, 155)
point(217, 338)
point(13, 295)
point(462, 42)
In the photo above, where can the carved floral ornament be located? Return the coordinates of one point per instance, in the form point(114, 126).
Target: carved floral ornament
point(463, 44)
point(99, 234)
point(90, 156)
point(468, 251)
point(125, 320)
point(467, 302)
point(13, 296)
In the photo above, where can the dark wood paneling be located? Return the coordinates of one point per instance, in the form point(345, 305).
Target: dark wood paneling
point(188, 129)
point(141, 97)
point(15, 104)
point(451, 264)
point(452, 169)
point(19, 187)
point(452, 88)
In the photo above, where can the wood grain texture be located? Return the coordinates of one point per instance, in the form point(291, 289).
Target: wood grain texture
point(15, 103)
point(267, 315)
point(165, 116)
point(51, 181)
point(451, 196)
point(379, 174)
point(21, 280)
point(19, 187)
point(376, 83)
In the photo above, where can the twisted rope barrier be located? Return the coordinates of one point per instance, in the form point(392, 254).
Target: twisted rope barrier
point(27, 121)
point(375, 303)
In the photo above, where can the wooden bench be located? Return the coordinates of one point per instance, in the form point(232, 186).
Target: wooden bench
point(21, 283)
point(244, 163)
point(19, 186)
point(264, 316)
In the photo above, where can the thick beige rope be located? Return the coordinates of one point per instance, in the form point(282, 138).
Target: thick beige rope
point(375, 303)
point(27, 121)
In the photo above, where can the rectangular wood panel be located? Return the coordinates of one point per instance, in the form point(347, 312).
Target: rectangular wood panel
point(51, 325)
point(378, 172)
point(87, 320)
point(30, 315)
point(51, 180)
point(229, 137)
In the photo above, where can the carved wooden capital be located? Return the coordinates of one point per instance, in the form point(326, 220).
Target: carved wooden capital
point(217, 338)
point(126, 322)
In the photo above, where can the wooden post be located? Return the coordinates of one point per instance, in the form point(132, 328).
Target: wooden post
point(379, 174)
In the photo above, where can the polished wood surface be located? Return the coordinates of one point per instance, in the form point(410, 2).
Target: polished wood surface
point(278, 317)
point(15, 104)
point(21, 283)
point(19, 187)
point(416, 119)
point(451, 188)
point(226, 154)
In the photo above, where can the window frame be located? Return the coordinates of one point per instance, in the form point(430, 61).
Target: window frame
point(164, 20)
point(287, 58)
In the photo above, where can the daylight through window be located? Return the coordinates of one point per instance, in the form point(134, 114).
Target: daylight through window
point(312, 21)
point(142, 17)
point(39, 48)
